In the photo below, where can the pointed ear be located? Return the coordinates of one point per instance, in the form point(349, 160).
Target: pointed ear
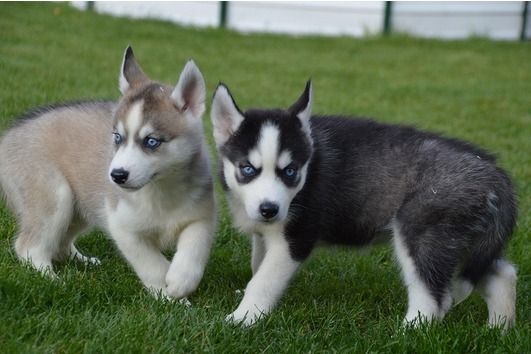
point(189, 93)
point(303, 107)
point(131, 74)
point(226, 116)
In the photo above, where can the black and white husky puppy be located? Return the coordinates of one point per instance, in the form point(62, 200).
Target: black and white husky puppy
point(294, 180)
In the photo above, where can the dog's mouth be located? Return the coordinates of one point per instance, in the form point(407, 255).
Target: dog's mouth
point(268, 220)
point(133, 187)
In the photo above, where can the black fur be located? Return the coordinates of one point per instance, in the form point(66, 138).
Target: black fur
point(452, 205)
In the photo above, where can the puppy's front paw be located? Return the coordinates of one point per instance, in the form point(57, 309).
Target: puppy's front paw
point(236, 319)
point(244, 317)
point(181, 284)
point(163, 296)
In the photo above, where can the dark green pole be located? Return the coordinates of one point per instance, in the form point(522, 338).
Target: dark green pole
point(387, 18)
point(223, 14)
point(524, 21)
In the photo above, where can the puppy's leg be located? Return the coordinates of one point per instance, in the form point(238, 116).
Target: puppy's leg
point(43, 223)
point(144, 256)
point(498, 289)
point(68, 249)
point(258, 252)
point(188, 264)
point(268, 283)
point(38, 254)
point(421, 303)
point(74, 254)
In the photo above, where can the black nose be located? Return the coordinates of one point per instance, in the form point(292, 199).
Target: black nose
point(119, 175)
point(268, 210)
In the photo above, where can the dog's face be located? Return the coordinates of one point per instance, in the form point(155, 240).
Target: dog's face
point(156, 127)
point(264, 155)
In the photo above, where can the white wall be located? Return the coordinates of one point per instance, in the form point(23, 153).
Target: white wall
point(188, 13)
point(497, 19)
point(356, 18)
point(438, 19)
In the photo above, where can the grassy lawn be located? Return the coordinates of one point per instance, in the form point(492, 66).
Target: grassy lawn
point(340, 301)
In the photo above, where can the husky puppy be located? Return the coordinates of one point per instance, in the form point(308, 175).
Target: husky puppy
point(138, 168)
point(294, 180)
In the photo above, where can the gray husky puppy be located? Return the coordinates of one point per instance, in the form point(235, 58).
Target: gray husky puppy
point(294, 180)
point(138, 169)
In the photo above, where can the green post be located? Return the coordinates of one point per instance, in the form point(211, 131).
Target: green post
point(524, 21)
point(223, 14)
point(387, 18)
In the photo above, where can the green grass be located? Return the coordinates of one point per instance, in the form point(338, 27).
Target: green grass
point(340, 301)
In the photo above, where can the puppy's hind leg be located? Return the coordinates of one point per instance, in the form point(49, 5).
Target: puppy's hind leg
point(69, 250)
point(498, 289)
point(43, 224)
point(421, 303)
point(78, 256)
point(428, 267)
point(34, 252)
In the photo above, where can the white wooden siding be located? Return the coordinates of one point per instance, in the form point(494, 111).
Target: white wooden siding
point(437, 19)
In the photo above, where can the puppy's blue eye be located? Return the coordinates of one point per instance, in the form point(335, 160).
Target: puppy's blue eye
point(117, 138)
point(248, 171)
point(152, 143)
point(290, 172)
